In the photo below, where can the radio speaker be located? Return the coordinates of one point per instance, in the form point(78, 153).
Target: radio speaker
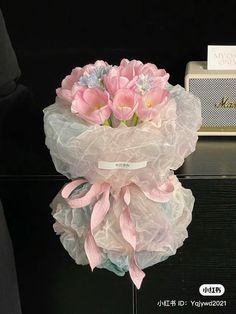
point(217, 92)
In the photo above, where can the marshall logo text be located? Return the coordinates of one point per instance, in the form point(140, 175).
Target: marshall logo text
point(226, 103)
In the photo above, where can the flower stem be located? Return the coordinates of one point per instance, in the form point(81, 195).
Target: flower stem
point(134, 120)
point(106, 123)
point(109, 121)
point(123, 122)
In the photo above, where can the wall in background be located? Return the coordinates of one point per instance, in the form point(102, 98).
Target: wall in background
point(52, 37)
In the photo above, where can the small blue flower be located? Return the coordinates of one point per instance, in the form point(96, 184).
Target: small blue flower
point(83, 81)
point(144, 83)
point(95, 78)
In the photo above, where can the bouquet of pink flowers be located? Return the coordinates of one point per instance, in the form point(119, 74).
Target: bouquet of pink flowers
point(119, 132)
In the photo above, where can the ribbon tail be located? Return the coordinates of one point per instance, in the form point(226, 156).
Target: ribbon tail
point(92, 251)
point(129, 233)
point(126, 195)
point(100, 209)
point(136, 274)
point(127, 227)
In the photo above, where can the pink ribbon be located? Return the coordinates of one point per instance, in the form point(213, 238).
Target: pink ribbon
point(100, 210)
point(129, 234)
point(100, 194)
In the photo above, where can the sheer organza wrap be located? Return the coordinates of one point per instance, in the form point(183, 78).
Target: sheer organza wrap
point(162, 145)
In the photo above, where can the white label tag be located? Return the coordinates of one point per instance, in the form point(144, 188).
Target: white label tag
point(121, 165)
point(221, 58)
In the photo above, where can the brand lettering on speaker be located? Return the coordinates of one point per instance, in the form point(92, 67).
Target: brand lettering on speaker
point(224, 58)
point(226, 103)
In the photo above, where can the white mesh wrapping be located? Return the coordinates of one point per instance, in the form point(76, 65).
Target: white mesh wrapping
point(160, 228)
point(76, 147)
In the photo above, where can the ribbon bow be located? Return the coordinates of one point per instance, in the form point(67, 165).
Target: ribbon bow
point(101, 193)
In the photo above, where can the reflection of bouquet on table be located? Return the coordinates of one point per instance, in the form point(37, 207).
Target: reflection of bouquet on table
point(118, 132)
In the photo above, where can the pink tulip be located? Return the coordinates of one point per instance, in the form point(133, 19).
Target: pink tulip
point(149, 69)
point(154, 76)
point(65, 91)
point(130, 69)
point(157, 77)
point(91, 104)
point(115, 80)
point(87, 69)
point(151, 103)
point(124, 104)
point(70, 83)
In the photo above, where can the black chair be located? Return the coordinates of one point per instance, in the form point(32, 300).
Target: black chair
point(9, 295)
point(9, 73)
point(9, 69)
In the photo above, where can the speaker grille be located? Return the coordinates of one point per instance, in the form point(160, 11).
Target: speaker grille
point(211, 91)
